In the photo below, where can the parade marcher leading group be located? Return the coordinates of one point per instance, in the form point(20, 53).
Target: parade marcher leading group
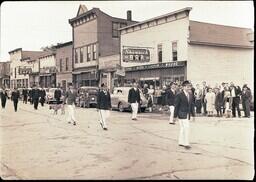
point(134, 99)
point(70, 99)
point(103, 105)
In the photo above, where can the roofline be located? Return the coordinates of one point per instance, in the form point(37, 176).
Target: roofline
point(158, 17)
point(221, 45)
point(222, 25)
point(15, 50)
point(64, 44)
point(50, 54)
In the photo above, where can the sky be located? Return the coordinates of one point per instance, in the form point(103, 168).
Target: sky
point(31, 25)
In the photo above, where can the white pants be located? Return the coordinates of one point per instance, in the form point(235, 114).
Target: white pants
point(171, 114)
point(104, 114)
point(134, 110)
point(184, 132)
point(71, 113)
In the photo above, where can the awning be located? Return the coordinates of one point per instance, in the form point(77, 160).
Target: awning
point(47, 74)
point(150, 78)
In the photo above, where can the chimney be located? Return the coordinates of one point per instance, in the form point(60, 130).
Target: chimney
point(129, 15)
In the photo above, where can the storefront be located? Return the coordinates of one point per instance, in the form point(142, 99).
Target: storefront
point(156, 74)
point(85, 77)
point(47, 78)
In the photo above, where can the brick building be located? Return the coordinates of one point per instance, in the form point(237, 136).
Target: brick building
point(5, 74)
point(95, 36)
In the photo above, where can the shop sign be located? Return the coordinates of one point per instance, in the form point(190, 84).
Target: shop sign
point(155, 66)
point(48, 70)
point(136, 55)
point(25, 70)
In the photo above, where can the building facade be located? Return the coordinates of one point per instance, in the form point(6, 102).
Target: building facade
point(64, 64)
point(47, 70)
point(171, 47)
point(95, 38)
point(19, 67)
point(5, 74)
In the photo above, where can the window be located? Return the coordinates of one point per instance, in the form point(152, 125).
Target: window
point(81, 55)
point(115, 27)
point(159, 52)
point(88, 52)
point(60, 65)
point(94, 56)
point(66, 64)
point(76, 56)
point(174, 51)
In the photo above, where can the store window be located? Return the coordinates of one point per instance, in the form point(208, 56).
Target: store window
point(159, 52)
point(174, 51)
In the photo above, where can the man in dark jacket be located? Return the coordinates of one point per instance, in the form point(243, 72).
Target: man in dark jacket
point(25, 95)
point(184, 108)
point(170, 97)
point(35, 96)
point(246, 98)
point(103, 105)
point(235, 99)
point(4, 97)
point(57, 95)
point(134, 99)
point(70, 99)
point(42, 96)
point(15, 98)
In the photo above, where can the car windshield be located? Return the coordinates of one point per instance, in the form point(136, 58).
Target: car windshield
point(89, 90)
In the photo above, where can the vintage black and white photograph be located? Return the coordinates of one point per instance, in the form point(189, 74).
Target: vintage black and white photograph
point(127, 90)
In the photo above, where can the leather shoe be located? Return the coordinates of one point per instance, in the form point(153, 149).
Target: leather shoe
point(187, 147)
point(172, 123)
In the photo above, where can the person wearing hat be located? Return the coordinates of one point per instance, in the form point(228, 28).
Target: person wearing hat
point(170, 97)
point(218, 101)
point(103, 105)
point(134, 99)
point(183, 110)
point(70, 99)
point(246, 98)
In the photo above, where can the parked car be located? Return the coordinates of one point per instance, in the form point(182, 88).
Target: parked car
point(50, 95)
point(119, 99)
point(87, 96)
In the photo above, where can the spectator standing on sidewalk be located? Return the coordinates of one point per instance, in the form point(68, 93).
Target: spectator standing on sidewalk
point(210, 102)
point(145, 90)
point(70, 99)
point(4, 97)
point(103, 105)
point(198, 99)
point(15, 98)
point(235, 99)
point(205, 90)
point(246, 98)
point(183, 110)
point(170, 98)
point(134, 99)
point(218, 102)
point(163, 98)
point(151, 93)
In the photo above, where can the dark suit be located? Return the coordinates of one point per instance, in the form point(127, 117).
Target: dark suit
point(35, 97)
point(103, 100)
point(3, 98)
point(236, 101)
point(183, 108)
point(134, 96)
point(170, 97)
point(42, 97)
point(246, 98)
point(15, 98)
point(57, 95)
point(25, 95)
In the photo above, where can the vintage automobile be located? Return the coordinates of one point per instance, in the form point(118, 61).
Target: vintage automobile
point(50, 95)
point(119, 99)
point(87, 96)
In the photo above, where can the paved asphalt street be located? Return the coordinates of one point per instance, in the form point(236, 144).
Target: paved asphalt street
point(35, 144)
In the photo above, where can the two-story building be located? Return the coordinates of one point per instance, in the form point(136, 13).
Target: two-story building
point(64, 64)
point(47, 69)
point(5, 74)
point(19, 67)
point(95, 40)
point(171, 47)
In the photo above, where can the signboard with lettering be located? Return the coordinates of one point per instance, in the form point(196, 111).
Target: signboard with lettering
point(136, 55)
point(25, 70)
point(155, 66)
point(48, 70)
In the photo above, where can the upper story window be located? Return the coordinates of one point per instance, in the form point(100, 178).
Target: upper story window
point(76, 55)
point(66, 64)
point(115, 27)
point(81, 55)
point(174, 51)
point(159, 52)
point(60, 65)
point(94, 52)
point(89, 53)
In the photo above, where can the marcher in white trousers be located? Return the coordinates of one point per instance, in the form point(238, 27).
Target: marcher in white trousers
point(184, 132)
point(104, 114)
point(71, 113)
point(135, 107)
point(171, 120)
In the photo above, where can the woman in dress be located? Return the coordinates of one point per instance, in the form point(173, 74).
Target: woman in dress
point(210, 102)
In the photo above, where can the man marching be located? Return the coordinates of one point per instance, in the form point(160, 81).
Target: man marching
point(134, 100)
point(103, 105)
point(70, 96)
point(184, 108)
